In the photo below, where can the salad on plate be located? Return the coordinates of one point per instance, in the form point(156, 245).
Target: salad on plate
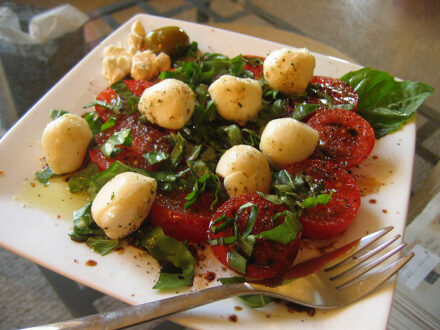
point(247, 155)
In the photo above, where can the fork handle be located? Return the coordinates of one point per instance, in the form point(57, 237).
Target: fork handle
point(152, 310)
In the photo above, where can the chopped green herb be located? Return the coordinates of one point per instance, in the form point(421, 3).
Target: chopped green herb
point(121, 138)
point(44, 175)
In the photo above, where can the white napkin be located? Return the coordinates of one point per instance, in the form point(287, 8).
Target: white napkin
point(51, 24)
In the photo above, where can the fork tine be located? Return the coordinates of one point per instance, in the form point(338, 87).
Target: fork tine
point(340, 269)
point(363, 243)
point(355, 273)
point(373, 279)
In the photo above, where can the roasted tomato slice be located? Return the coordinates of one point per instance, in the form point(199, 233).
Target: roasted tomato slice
point(329, 92)
point(254, 65)
point(345, 137)
point(108, 95)
point(191, 225)
point(325, 221)
point(269, 258)
point(146, 138)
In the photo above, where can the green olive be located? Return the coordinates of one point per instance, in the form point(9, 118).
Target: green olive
point(168, 39)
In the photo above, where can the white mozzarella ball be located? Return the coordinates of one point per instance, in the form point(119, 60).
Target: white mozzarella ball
point(289, 70)
point(236, 99)
point(123, 203)
point(286, 140)
point(245, 170)
point(116, 63)
point(169, 103)
point(64, 142)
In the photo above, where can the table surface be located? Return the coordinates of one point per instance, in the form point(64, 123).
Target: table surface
point(401, 37)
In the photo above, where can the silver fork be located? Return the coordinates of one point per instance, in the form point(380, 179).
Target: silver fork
point(340, 282)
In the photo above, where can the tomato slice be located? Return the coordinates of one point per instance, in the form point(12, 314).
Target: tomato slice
point(191, 225)
point(269, 258)
point(345, 137)
point(256, 69)
point(146, 138)
point(329, 92)
point(108, 95)
point(325, 221)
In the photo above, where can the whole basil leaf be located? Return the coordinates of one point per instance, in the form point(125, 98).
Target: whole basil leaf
point(384, 102)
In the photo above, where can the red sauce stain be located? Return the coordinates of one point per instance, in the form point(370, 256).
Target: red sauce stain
point(292, 307)
point(238, 308)
point(209, 276)
point(120, 250)
point(372, 201)
point(91, 263)
point(233, 318)
point(375, 157)
point(384, 211)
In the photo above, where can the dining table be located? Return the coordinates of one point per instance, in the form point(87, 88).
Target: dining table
point(400, 37)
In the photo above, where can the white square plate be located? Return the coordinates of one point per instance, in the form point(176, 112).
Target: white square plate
point(40, 234)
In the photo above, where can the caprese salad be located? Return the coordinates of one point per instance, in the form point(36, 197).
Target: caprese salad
point(247, 154)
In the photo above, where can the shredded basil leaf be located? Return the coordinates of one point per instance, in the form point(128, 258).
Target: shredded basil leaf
point(95, 123)
point(301, 111)
point(54, 113)
point(80, 181)
point(155, 157)
point(172, 256)
point(111, 122)
point(84, 225)
point(256, 301)
point(236, 261)
point(285, 232)
point(232, 280)
point(44, 175)
point(121, 138)
point(102, 245)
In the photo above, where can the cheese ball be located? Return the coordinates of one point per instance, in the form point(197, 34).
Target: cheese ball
point(245, 170)
point(64, 142)
point(289, 70)
point(237, 99)
point(123, 203)
point(169, 104)
point(286, 140)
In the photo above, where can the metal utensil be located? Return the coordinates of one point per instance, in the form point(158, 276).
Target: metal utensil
point(340, 282)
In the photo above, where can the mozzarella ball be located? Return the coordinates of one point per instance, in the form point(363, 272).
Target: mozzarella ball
point(116, 63)
point(245, 170)
point(286, 140)
point(146, 65)
point(237, 99)
point(169, 103)
point(64, 142)
point(289, 70)
point(123, 203)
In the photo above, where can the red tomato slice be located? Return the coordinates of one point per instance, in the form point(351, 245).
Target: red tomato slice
point(325, 221)
point(332, 90)
point(146, 138)
point(108, 95)
point(192, 225)
point(269, 258)
point(257, 70)
point(345, 137)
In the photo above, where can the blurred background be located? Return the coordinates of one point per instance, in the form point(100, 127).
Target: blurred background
point(401, 37)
